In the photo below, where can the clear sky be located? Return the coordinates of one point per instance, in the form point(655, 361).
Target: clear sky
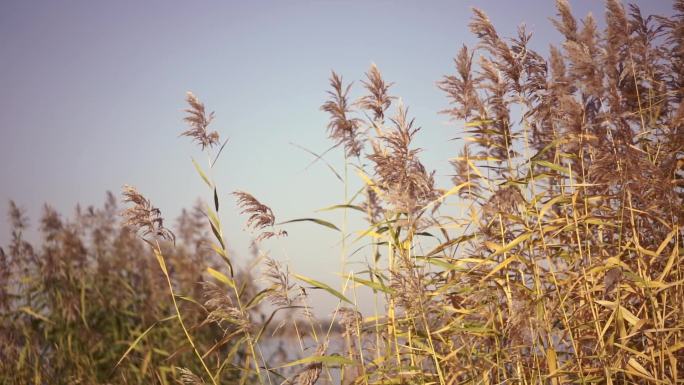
point(93, 92)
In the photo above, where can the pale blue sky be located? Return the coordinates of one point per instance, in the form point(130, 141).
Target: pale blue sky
point(92, 97)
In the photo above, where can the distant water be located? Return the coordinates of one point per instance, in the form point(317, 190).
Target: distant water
point(280, 351)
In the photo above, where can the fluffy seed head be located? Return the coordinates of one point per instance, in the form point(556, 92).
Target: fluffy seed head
point(281, 288)
point(142, 216)
point(198, 121)
point(341, 128)
point(260, 216)
point(403, 178)
point(378, 100)
point(187, 377)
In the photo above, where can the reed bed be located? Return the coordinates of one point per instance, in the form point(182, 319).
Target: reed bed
point(554, 257)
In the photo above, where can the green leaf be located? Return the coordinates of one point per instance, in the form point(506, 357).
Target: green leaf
point(478, 123)
point(328, 360)
point(140, 337)
point(189, 299)
point(425, 234)
point(553, 166)
point(321, 285)
point(258, 297)
point(217, 235)
point(314, 220)
point(548, 205)
point(440, 263)
point(500, 266)
point(202, 174)
point(213, 218)
point(32, 313)
point(449, 243)
point(320, 157)
point(219, 153)
point(373, 285)
point(222, 253)
point(451, 191)
point(512, 244)
point(381, 226)
point(547, 148)
point(334, 207)
point(221, 277)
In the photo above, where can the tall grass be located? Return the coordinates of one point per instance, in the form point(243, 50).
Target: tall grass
point(554, 257)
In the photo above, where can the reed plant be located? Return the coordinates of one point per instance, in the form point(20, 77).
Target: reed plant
point(554, 256)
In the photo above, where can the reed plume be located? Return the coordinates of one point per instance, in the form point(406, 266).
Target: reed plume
point(222, 309)
point(198, 121)
point(187, 377)
point(406, 184)
point(311, 372)
point(378, 99)
point(342, 129)
point(260, 216)
point(142, 216)
point(461, 88)
point(280, 284)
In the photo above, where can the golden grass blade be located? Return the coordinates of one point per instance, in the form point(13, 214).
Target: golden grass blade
point(323, 286)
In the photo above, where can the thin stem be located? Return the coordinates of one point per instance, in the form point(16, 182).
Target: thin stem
point(162, 265)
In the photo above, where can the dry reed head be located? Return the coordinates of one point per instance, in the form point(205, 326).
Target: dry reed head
point(222, 310)
point(409, 289)
point(378, 99)
point(505, 200)
point(281, 287)
point(260, 216)
point(403, 178)
point(311, 372)
point(566, 24)
point(350, 320)
point(343, 129)
point(199, 121)
point(5, 271)
point(372, 206)
point(19, 248)
point(462, 87)
point(142, 216)
point(187, 377)
point(17, 217)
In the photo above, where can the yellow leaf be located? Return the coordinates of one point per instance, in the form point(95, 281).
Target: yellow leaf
point(636, 367)
point(552, 363)
point(512, 244)
point(370, 182)
point(500, 266)
point(221, 277)
point(670, 262)
point(626, 314)
point(32, 313)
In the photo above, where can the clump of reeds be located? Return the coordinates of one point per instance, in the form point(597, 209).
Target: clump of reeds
point(92, 288)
